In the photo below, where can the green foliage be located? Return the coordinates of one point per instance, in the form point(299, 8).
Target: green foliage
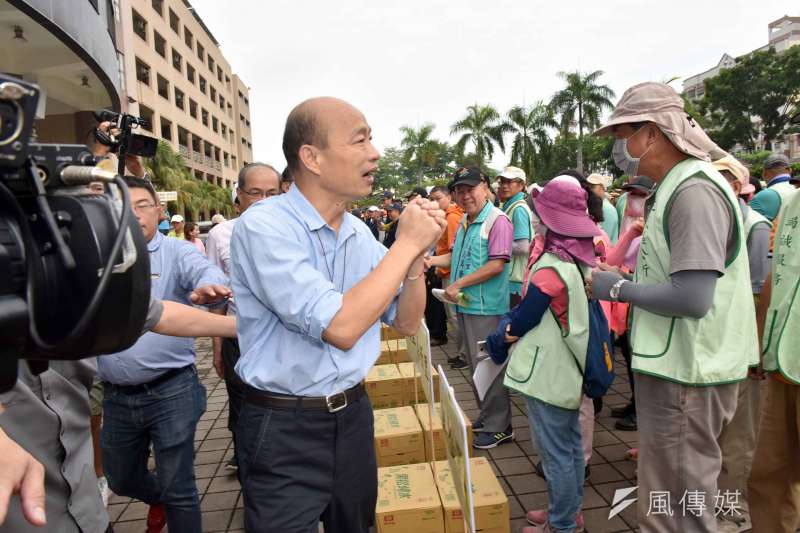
point(562, 154)
point(419, 150)
point(763, 85)
point(580, 104)
point(528, 127)
point(482, 128)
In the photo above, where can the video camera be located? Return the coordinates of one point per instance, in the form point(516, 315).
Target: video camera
point(74, 268)
point(125, 141)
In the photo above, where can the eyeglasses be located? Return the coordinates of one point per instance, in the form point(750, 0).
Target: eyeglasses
point(255, 193)
point(143, 206)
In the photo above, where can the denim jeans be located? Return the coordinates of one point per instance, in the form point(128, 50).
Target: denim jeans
point(558, 436)
point(165, 415)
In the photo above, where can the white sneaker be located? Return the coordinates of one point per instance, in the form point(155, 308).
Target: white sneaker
point(102, 486)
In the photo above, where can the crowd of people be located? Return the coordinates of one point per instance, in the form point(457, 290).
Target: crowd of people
point(690, 266)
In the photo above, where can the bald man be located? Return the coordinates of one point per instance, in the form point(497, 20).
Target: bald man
point(309, 309)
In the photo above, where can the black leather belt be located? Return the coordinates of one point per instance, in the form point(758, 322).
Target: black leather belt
point(142, 387)
point(333, 403)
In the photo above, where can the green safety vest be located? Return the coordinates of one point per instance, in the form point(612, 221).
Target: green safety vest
point(470, 252)
point(542, 364)
point(782, 326)
point(518, 262)
point(785, 191)
point(753, 219)
point(712, 350)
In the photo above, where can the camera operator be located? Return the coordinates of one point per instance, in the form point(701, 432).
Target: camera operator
point(44, 431)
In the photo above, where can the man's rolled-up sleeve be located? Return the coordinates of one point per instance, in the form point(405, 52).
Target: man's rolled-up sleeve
point(272, 264)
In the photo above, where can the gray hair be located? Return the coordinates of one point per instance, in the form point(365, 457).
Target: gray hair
point(250, 166)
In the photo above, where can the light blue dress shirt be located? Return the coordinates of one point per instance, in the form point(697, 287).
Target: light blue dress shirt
point(176, 269)
point(289, 272)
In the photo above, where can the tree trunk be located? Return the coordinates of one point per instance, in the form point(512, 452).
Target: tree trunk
point(580, 139)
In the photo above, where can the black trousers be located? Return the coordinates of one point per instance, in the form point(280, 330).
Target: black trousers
point(435, 315)
point(625, 348)
point(300, 466)
point(233, 383)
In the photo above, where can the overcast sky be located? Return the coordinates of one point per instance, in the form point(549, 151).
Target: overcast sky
point(411, 61)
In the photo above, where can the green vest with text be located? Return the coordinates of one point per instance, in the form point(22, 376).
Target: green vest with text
point(542, 364)
point(470, 252)
point(518, 262)
point(782, 325)
point(718, 347)
point(785, 191)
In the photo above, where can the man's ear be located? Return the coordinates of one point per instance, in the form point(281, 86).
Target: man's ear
point(310, 158)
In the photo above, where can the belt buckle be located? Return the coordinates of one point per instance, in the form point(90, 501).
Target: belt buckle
point(336, 402)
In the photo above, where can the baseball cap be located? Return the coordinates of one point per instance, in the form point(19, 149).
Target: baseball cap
point(739, 171)
point(372, 208)
point(513, 173)
point(417, 191)
point(176, 218)
point(388, 194)
point(467, 176)
point(776, 161)
point(599, 179)
point(218, 219)
point(661, 104)
point(396, 207)
point(642, 184)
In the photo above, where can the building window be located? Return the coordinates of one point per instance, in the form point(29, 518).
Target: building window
point(188, 38)
point(219, 74)
point(166, 129)
point(94, 5)
point(158, 6)
point(222, 102)
point(215, 124)
point(247, 122)
point(246, 101)
point(142, 71)
point(163, 87)
point(225, 156)
point(202, 84)
point(190, 73)
point(201, 53)
point(177, 60)
point(147, 114)
point(111, 21)
point(204, 117)
point(192, 108)
point(160, 44)
point(213, 94)
point(228, 83)
point(241, 117)
point(224, 130)
point(139, 25)
point(174, 22)
point(211, 64)
point(179, 99)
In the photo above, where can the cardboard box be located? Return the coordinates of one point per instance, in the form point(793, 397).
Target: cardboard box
point(423, 414)
point(491, 503)
point(398, 437)
point(399, 348)
point(388, 332)
point(385, 386)
point(407, 371)
point(408, 500)
point(385, 358)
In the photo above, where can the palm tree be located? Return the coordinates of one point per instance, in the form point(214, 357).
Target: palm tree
point(483, 128)
point(169, 173)
point(583, 97)
point(528, 125)
point(418, 147)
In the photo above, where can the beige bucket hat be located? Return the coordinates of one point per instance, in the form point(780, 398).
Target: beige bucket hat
point(659, 103)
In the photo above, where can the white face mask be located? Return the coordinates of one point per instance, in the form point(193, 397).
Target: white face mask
point(623, 158)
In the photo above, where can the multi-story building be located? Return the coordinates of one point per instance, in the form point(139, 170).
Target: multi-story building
point(782, 34)
point(70, 49)
point(179, 80)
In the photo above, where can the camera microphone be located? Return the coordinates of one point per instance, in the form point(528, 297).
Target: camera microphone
point(104, 115)
point(75, 175)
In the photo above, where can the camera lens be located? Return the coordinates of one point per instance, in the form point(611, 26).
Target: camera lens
point(10, 121)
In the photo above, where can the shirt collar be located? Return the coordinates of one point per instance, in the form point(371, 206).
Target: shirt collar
point(779, 179)
point(155, 242)
point(311, 217)
point(515, 198)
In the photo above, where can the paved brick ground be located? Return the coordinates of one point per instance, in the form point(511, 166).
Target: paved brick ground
point(221, 496)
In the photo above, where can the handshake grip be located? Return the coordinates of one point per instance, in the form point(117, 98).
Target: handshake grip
point(421, 224)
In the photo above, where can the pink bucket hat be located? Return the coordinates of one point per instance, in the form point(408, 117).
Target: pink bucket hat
point(561, 206)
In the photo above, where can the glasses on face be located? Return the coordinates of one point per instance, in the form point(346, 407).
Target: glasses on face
point(257, 194)
point(506, 181)
point(143, 207)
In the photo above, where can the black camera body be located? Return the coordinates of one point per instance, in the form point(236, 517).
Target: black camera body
point(126, 141)
point(74, 266)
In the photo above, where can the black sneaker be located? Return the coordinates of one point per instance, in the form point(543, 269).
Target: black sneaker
point(627, 424)
point(457, 363)
point(232, 465)
point(587, 474)
point(622, 412)
point(540, 470)
point(439, 342)
point(485, 441)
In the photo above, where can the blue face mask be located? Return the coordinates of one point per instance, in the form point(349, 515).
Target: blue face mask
point(623, 158)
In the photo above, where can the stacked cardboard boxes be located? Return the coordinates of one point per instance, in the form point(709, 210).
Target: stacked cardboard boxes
point(423, 414)
point(393, 351)
point(385, 386)
point(388, 333)
point(398, 437)
point(407, 371)
point(408, 500)
point(489, 499)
